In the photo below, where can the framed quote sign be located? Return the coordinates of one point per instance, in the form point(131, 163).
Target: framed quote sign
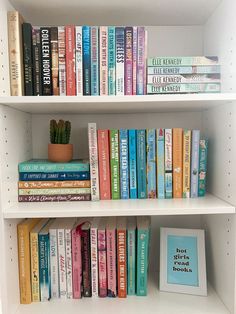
point(182, 261)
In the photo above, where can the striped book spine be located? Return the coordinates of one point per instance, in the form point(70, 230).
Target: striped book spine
point(70, 60)
point(103, 60)
point(86, 60)
point(168, 163)
point(129, 61)
point(76, 263)
point(135, 44)
point(62, 262)
point(111, 60)
point(203, 148)
point(94, 60)
point(141, 61)
point(55, 66)
point(94, 256)
point(160, 163)
point(141, 163)
point(62, 60)
point(186, 162)
point(195, 163)
point(132, 164)
point(79, 60)
point(120, 59)
point(177, 163)
point(124, 164)
point(151, 163)
point(102, 262)
point(114, 163)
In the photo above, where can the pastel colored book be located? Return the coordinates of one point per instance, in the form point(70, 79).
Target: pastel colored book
point(36, 61)
point(181, 70)
point(95, 60)
point(79, 60)
point(203, 149)
point(141, 69)
point(53, 184)
point(55, 198)
point(124, 164)
point(151, 163)
point(160, 163)
point(121, 257)
point(70, 60)
point(46, 61)
point(111, 60)
point(55, 73)
point(187, 135)
point(54, 265)
point(76, 261)
point(184, 88)
point(129, 60)
point(168, 164)
point(103, 33)
point(102, 258)
point(54, 191)
point(27, 59)
point(183, 78)
point(54, 176)
point(120, 60)
point(94, 255)
point(86, 36)
point(195, 162)
point(132, 164)
point(114, 163)
point(131, 255)
point(141, 164)
point(86, 258)
point(62, 60)
point(111, 257)
point(183, 61)
point(135, 44)
point(177, 163)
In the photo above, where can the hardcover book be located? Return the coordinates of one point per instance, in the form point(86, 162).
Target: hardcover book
point(53, 184)
point(95, 82)
point(129, 60)
point(203, 148)
point(28, 59)
point(177, 163)
point(46, 61)
point(76, 261)
point(79, 60)
point(102, 258)
point(114, 164)
point(55, 60)
point(86, 61)
point(131, 255)
point(181, 70)
point(168, 164)
point(94, 255)
point(36, 48)
point(151, 163)
point(186, 162)
point(183, 78)
point(111, 60)
point(111, 257)
point(56, 191)
point(195, 163)
point(132, 164)
point(135, 45)
point(121, 257)
point(141, 70)
point(86, 259)
point(120, 60)
point(160, 163)
point(103, 60)
point(183, 88)
point(54, 176)
point(124, 164)
point(70, 60)
point(182, 61)
point(62, 60)
point(141, 163)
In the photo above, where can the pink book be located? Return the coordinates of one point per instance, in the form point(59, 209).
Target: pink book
point(129, 61)
point(103, 60)
point(135, 41)
point(141, 71)
point(102, 259)
point(111, 257)
point(76, 262)
point(70, 61)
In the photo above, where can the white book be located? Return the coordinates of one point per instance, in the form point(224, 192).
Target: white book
point(62, 262)
point(54, 261)
point(79, 60)
point(94, 255)
point(62, 60)
point(69, 282)
point(120, 61)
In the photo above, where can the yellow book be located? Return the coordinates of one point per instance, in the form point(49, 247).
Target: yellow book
point(177, 163)
point(186, 163)
point(23, 234)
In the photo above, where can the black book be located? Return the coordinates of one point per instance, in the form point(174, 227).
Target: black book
point(86, 260)
point(36, 61)
point(46, 61)
point(28, 59)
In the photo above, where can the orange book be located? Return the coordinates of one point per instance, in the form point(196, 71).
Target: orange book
point(121, 257)
point(177, 163)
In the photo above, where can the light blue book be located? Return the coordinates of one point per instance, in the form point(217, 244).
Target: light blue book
point(124, 164)
point(95, 89)
point(111, 60)
point(168, 164)
point(151, 163)
point(160, 163)
point(132, 164)
point(195, 163)
point(141, 163)
point(131, 255)
point(203, 149)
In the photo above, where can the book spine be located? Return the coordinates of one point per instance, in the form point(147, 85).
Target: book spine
point(184, 88)
point(55, 65)
point(36, 61)
point(182, 61)
point(76, 264)
point(15, 53)
point(151, 163)
point(53, 191)
point(55, 198)
point(160, 163)
point(203, 148)
point(32, 176)
point(142, 261)
point(132, 164)
point(168, 164)
point(111, 60)
point(131, 261)
point(28, 59)
point(129, 61)
point(102, 263)
point(104, 164)
point(34, 254)
point(94, 60)
point(54, 264)
point(46, 61)
point(86, 61)
point(86, 263)
point(53, 184)
point(195, 163)
point(114, 163)
point(121, 263)
point(177, 163)
point(141, 163)
point(69, 282)
point(211, 69)
point(184, 78)
point(145, 61)
point(94, 260)
point(141, 61)
point(103, 60)
point(186, 163)
point(111, 263)
point(62, 60)
point(70, 60)
point(79, 60)
point(120, 60)
point(124, 164)
point(135, 45)
point(44, 267)
point(52, 167)
point(62, 262)
point(93, 157)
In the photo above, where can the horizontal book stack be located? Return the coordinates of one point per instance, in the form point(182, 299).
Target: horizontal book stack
point(76, 60)
point(180, 75)
point(147, 163)
point(44, 181)
point(70, 258)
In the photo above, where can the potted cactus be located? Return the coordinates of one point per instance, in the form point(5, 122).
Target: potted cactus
point(59, 150)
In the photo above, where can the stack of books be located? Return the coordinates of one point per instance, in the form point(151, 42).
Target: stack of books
point(76, 60)
point(44, 181)
point(147, 163)
point(69, 258)
point(179, 75)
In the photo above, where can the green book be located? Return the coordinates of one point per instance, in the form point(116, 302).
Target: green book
point(203, 148)
point(114, 164)
point(131, 255)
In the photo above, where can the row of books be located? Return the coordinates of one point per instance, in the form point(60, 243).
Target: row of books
point(69, 257)
point(44, 181)
point(151, 163)
point(76, 60)
point(166, 75)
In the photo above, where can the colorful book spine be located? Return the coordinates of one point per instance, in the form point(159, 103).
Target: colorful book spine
point(132, 164)
point(70, 60)
point(103, 60)
point(141, 164)
point(62, 60)
point(54, 274)
point(178, 70)
point(76, 263)
point(145, 61)
point(195, 162)
point(141, 71)
point(177, 163)
point(86, 263)
point(53, 184)
point(111, 60)
point(93, 157)
point(111, 258)
point(79, 60)
point(46, 61)
point(86, 61)
point(62, 262)
point(168, 164)
point(44, 166)
point(186, 163)
point(120, 60)
point(104, 165)
point(28, 59)
point(55, 65)
point(95, 60)
point(124, 164)
point(203, 148)
point(151, 163)
point(69, 283)
point(36, 61)
point(54, 191)
point(32, 176)
point(183, 78)
point(44, 267)
point(34, 257)
point(135, 45)
point(131, 256)
point(102, 263)
point(121, 262)
point(94, 259)
point(184, 88)
point(54, 198)
point(182, 61)
point(129, 61)
point(160, 163)
point(114, 163)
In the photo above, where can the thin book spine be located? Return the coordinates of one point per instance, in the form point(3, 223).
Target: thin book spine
point(70, 60)
point(53, 184)
point(141, 61)
point(183, 78)
point(124, 164)
point(62, 60)
point(52, 176)
point(129, 61)
point(55, 65)
point(120, 59)
point(57, 191)
point(79, 60)
point(102, 263)
point(141, 164)
point(44, 267)
point(195, 163)
point(132, 164)
point(36, 61)
point(28, 59)
point(111, 259)
point(135, 44)
point(168, 164)
point(160, 163)
point(103, 60)
point(151, 163)
point(111, 60)
point(203, 149)
point(86, 60)
point(184, 88)
point(69, 283)
point(76, 263)
point(46, 61)
point(54, 264)
point(46, 166)
point(94, 60)
point(187, 140)
point(62, 262)
point(121, 259)
point(54, 198)
point(183, 61)
point(181, 70)
point(94, 259)
point(177, 162)
point(114, 164)
point(131, 256)
point(86, 263)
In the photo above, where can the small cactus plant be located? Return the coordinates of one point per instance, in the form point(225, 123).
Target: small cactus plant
point(60, 132)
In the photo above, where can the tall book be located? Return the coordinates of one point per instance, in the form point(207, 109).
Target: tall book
point(79, 60)
point(28, 59)
point(203, 148)
point(114, 163)
point(195, 162)
point(95, 60)
point(120, 60)
point(93, 157)
point(103, 60)
point(111, 60)
point(135, 44)
point(76, 261)
point(15, 48)
point(94, 255)
point(129, 60)
point(70, 60)
point(168, 164)
point(132, 163)
point(151, 163)
point(141, 163)
point(23, 239)
point(104, 164)
point(121, 257)
point(111, 257)
point(62, 60)
point(36, 61)
point(177, 163)
point(102, 258)
point(55, 61)
point(86, 61)
point(54, 265)
point(124, 164)
point(61, 259)
point(143, 238)
point(131, 255)
point(187, 135)
point(160, 163)
point(46, 62)
point(86, 259)
point(141, 70)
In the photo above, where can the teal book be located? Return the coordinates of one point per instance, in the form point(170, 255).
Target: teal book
point(203, 148)
point(132, 164)
point(143, 238)
point(141, 163)
point(151, 163)
point(131, 255)
point(111, 60)
point(95, 83)
point(124, 164)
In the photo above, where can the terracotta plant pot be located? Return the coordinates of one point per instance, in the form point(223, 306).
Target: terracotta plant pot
point(60, 152)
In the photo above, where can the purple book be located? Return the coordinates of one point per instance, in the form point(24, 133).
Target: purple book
point(141, 61)
point(135, 42)
point(129, 61)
